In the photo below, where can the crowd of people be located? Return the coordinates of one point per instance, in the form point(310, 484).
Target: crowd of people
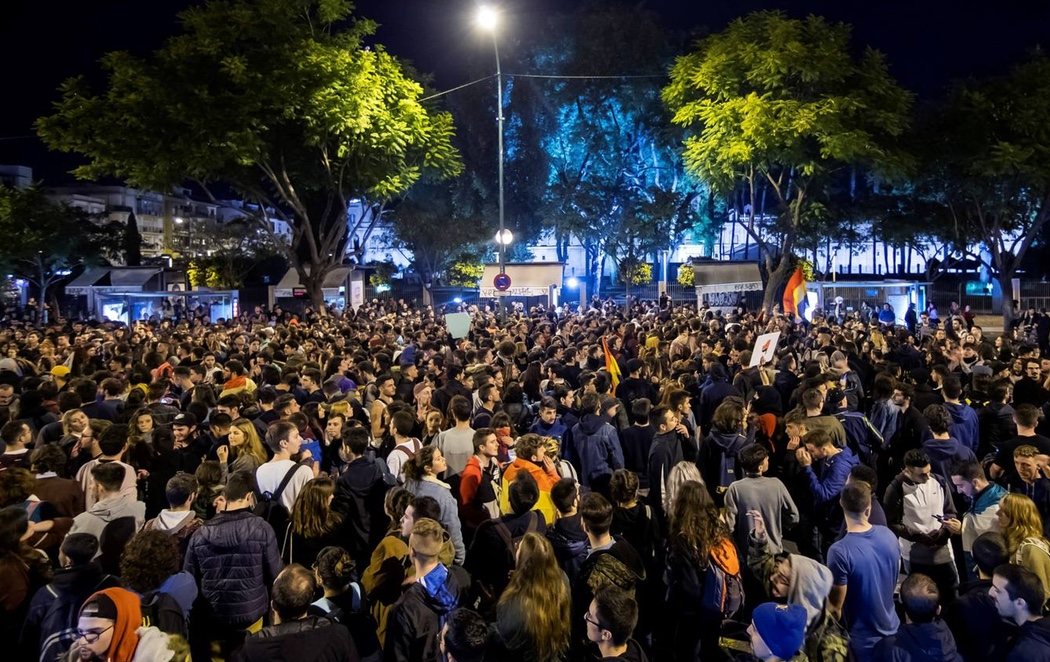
point(620, 483)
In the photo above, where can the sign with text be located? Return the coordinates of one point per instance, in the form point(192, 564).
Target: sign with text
point(491, 292)
point(765, 349)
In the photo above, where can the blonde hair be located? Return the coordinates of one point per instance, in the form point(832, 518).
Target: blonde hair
point(1023, 521)
point(538, 586)
point(252, 444)
point(680, 474)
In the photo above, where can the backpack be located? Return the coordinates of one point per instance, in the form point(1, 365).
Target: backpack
point(489, 590)
point(270, 507)
point(716, 588)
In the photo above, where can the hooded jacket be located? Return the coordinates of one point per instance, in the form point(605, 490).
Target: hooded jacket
point(569, 541)
point(53, 613)
point(665, 452)
point(596, 448)
point(418, 616)
point(944, 454)
point(234, 558)
point(964, 425)
point(718, 459)
point(982, 515)
point(1032, 643)
point(359, 495)
point(95, 519)
point(310, 639)
point(928, 642)
point(179, 524)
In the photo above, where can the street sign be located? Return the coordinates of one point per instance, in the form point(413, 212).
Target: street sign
point(501, 282)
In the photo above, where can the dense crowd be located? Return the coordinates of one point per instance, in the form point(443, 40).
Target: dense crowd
point(619, 483)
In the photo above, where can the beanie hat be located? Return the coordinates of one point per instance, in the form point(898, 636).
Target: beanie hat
point(782, 628)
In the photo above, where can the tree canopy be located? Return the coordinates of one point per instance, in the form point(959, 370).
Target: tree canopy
point(783, 103)
point(285, 101)
point(45, 241)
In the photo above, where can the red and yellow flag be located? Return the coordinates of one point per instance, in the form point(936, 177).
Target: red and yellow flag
point(611, 365)
point(795, 294)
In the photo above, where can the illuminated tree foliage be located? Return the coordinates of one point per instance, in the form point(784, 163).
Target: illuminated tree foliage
point(282, 100)
point(615, 179)
point(782, 102)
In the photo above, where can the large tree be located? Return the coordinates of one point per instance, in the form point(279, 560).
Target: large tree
point(784, 104)
point(44, 240)
point(285, 101)
point(986, 167)
point(615, 180)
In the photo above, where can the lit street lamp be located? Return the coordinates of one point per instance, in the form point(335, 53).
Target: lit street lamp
point(488, 20)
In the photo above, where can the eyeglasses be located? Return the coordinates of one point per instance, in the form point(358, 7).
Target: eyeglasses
point(91, 636)
point(596, 623)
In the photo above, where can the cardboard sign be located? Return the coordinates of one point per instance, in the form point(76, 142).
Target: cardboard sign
point(765, 349)
point(458, 324)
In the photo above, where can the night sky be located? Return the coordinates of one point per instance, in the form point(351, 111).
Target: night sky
point(928, 42)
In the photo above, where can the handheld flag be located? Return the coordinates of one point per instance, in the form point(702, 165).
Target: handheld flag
point(611, 365)
point(795, 294)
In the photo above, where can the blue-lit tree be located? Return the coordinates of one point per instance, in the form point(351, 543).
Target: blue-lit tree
point(615, 180)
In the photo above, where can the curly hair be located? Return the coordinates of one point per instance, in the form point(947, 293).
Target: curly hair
point(416, 466)
point(695, 523)
point(16, 484)
point(149, 558)
point(1023, 521)
point(538, 586)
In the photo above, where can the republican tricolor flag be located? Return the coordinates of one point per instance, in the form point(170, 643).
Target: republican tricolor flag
point(795, 294)
point(611, 365)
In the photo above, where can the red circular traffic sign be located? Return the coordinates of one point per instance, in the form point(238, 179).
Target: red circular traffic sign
point(501, 282)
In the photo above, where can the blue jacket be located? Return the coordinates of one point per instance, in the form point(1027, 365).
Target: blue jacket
point(944, 453)
point(829, 477)
point(555, 430)
point(234, 558)
point(597, 448)
point(964, 425)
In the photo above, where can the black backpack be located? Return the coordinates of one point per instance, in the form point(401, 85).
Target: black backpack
point(272, 510)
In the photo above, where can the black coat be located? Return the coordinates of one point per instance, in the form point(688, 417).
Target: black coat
point(359, 495)
point(311, 639)
point(979, 632)
point(415, 620)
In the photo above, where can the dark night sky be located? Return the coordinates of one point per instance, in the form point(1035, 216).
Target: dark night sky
point(928, 42)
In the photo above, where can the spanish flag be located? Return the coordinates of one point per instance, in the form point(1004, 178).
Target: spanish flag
point(795, 294)
point(611, 365)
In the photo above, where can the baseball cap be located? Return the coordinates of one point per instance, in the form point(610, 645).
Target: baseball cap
point(60, 371)
point(187, 419)
point(782, 628)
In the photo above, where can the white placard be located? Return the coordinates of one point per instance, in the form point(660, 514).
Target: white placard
point(765, 349)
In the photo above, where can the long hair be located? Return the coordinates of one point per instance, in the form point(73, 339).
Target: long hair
point(312, 516)
point(252, 444)
point(695, 523)
point(680, 474)
point(538, 586)
point(1023, 521)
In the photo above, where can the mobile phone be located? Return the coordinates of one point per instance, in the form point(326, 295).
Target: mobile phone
point(939, 518)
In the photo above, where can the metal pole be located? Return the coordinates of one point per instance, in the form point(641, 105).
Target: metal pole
point(499, 123)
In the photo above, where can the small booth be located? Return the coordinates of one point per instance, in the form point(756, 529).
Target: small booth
point(531, 283)
point(343, 286)
point(897, 293)
point(722, 284)
point(131, 294)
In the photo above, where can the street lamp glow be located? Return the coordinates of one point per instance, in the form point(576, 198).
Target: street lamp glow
point(504, 237)
point(573, 282)
point(487, 18)
point(178, 220)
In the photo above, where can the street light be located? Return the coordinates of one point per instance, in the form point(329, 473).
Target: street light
point(504, 237)
point(488, 20)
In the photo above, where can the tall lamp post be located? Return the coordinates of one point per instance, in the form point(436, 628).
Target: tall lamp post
point(488, 20)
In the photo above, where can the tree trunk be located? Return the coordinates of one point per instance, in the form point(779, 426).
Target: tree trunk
point(314, 284)
point(1006, 287)
point(777, 278)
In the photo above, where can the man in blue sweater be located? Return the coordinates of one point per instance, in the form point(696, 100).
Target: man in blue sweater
point(826, 467)
point(964, 425)
point(597, 446)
